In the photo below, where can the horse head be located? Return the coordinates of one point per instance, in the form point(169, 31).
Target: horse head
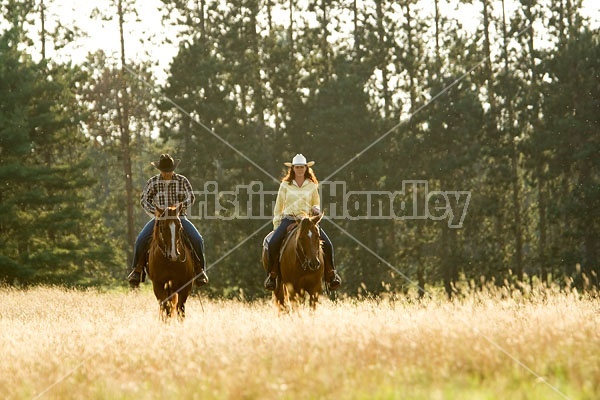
point(168, 232)
point(309, 242)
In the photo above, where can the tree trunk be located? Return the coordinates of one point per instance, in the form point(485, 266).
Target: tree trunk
point(324, 46)
point(438, 60)
point(514, 167)
point(540, 164)
point(488, 65)
point(356, 34)
point(291, 32)
point(202, 27)
point(411, 66)
point(123, 110)
point(590, 239)
point(43, 28)
point(450, 269)
point(382, 61)
point(542, 225)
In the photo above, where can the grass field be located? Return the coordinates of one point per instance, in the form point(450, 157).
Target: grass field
point(64, 344)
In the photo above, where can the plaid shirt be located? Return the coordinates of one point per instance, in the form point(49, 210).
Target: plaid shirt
point(164, 193)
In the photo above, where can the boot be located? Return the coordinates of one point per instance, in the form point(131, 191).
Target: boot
point(137, 274)
point(201, 278)
point(134, 278)
point(331, 276)
point(271, 281)
point(335, 281)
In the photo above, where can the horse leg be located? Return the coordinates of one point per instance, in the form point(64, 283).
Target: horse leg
point(164, 310)
point(161, 294)
point(173, 303)
point(294, 298)
point(181, 307)
point(168, 300)
point(280, 296)
point(313, 300)
point(181, 311)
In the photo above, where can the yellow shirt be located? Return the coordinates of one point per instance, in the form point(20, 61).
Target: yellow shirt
point(295, 200)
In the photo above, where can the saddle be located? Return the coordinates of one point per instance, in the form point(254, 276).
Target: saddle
point(288, 234)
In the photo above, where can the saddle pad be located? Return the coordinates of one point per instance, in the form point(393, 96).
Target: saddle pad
point(267, 239)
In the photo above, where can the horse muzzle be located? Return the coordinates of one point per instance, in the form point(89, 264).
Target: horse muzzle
point(173, 254)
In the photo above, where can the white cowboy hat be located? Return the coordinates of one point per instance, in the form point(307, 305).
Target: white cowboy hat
point(299, 159)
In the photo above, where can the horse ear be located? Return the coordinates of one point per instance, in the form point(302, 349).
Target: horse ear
point(158, 211)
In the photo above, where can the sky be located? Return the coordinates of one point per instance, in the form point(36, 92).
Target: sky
point(146, 36)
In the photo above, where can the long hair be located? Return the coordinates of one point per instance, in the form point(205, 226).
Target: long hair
point(308, 174)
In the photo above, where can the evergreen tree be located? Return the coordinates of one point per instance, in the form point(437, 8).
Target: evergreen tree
point(572, 101)
point(48, 232)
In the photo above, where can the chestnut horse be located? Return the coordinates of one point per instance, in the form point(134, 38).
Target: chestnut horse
point(170, 263)
point(300, 265)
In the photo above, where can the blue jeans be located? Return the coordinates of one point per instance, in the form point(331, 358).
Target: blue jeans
point(277, 239)
point(142, 243)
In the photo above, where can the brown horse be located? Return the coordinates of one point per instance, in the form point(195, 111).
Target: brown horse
point(170, 263)
point(300, 264)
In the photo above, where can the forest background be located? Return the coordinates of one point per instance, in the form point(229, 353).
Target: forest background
point(376, 92)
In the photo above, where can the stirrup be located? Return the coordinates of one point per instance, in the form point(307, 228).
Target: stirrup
point(201, 278)
point(134, 278)
point(335, 281)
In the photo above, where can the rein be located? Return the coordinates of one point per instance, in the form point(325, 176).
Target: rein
point(304, 259)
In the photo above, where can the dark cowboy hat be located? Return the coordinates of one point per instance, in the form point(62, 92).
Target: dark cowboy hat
point(166, 163)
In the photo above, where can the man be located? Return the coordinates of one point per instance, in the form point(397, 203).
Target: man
point(167, 189)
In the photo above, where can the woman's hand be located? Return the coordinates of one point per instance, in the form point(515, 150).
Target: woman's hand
point(315, 210)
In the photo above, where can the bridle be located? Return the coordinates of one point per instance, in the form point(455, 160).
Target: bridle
point(304, 264)
point(162, 245)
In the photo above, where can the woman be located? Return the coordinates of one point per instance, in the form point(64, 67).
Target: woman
point(298, 195)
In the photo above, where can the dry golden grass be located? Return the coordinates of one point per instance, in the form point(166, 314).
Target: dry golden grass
point(62, 344)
